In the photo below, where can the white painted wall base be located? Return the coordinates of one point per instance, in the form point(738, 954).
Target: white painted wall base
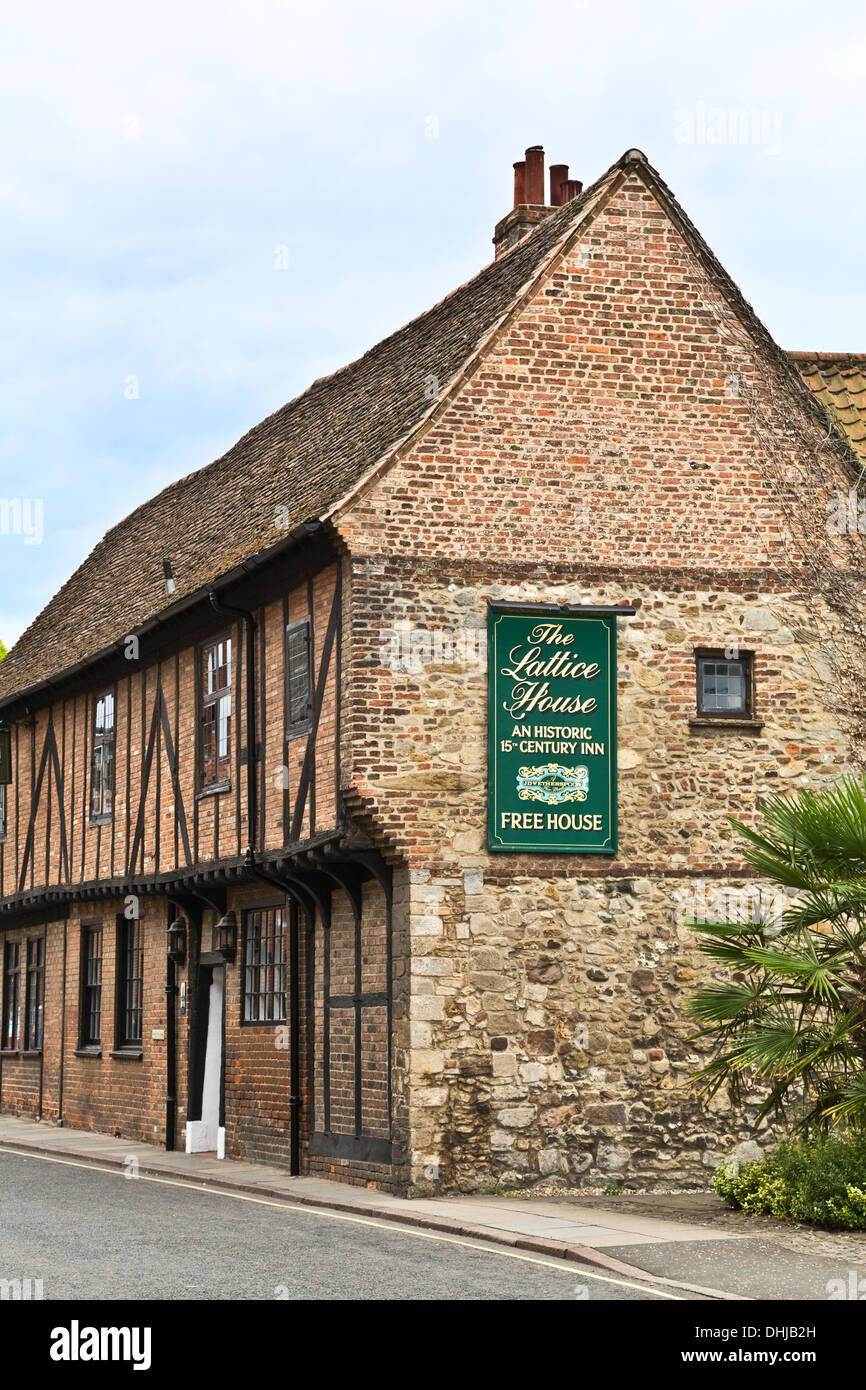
point(196, 1136)
point(199, 1138)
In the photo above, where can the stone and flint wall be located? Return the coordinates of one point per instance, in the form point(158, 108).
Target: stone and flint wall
point(597, 455)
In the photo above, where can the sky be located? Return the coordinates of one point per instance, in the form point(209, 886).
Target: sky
point(205, 206)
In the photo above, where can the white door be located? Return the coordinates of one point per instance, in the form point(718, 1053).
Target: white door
point(206, 1135)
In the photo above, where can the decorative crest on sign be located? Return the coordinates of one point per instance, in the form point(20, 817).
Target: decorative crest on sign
point(552, 783)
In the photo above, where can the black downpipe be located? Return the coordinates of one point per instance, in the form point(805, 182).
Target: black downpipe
point(294, 1044)
point(170, 1049)
point(62, 1029)
point(1, 1022)
point(229, 611)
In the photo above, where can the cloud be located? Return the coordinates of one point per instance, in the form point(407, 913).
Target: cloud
point(159, 161)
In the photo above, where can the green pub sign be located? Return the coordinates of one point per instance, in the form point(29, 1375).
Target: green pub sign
point(552, 729)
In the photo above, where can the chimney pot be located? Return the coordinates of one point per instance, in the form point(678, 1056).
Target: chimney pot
point(570, 189)
point(534, 189)
point(520, 183)
point(558, 176)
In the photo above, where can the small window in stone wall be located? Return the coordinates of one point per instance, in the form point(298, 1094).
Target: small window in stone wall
point(725, 684)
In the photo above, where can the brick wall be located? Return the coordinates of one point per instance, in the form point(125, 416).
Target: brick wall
point(118, 1096)
point(257, 1078)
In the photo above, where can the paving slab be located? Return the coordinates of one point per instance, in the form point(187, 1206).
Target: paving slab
point(757, 1269)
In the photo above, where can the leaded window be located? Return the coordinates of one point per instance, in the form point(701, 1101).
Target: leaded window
point(130, 977)
point(724, 685)
point(11, 995)
point(265, 966)
point(35, 994)
point(298, 673)
point(102, 757)
point(90, 1032)
point(215, 743)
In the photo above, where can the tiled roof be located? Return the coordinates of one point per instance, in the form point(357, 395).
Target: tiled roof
point(839, 381)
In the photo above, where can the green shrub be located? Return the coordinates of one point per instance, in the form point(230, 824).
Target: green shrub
point(818, 1180)
point(787, 1005)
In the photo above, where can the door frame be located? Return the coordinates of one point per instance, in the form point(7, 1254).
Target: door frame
point(208, 961)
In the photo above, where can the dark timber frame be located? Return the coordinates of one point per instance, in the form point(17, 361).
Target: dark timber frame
point(349, 870)
point(312, 865)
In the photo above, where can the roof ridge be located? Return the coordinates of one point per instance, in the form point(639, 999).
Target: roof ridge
point(829, 357)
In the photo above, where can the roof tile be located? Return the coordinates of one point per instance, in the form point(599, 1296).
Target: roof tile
point(839, 382)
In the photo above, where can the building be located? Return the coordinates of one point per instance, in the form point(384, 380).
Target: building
point(249, 899)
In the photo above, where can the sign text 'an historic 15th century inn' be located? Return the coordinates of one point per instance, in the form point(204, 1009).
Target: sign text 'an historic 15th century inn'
point(552, 730)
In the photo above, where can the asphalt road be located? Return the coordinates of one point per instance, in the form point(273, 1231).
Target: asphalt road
point(88, 1233)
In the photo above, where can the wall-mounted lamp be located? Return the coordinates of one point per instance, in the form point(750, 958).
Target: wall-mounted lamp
point(227, 935)
point(5, 753)
point(177, 941)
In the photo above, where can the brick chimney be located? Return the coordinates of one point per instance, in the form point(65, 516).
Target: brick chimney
point(529, 205)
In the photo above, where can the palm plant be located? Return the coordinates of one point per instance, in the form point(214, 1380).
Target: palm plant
point(793, 1014)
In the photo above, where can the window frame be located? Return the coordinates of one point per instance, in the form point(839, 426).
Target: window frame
point(294, 727)
point(88, 1045)
point(11, 972)
point(4, 812)
point(34, 971)
point(127, 1044)
point(203, 702)
point(747, 658)
point(275, 905)
point(101, 741)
